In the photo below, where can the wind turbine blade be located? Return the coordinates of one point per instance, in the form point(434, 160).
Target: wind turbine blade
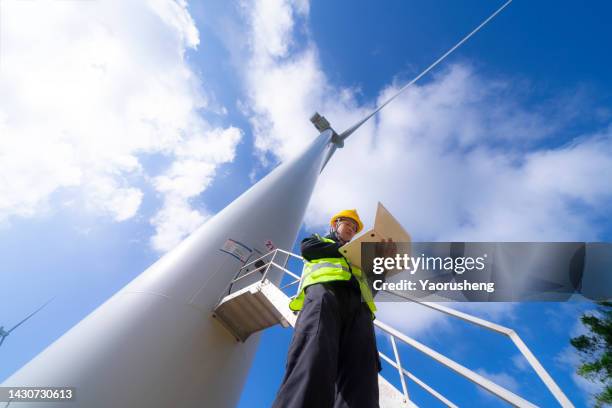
point(30, 315)
point(357, 125)
point(329, 156)
point(2, 340)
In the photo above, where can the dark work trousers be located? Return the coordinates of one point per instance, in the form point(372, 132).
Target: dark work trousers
point(333, 359)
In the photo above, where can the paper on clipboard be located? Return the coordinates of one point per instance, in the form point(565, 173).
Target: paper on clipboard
point(385, 227)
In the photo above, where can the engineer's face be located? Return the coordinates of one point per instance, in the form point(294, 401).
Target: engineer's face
point(346, 229)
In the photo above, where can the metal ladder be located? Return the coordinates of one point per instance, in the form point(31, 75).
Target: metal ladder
point(254, 301)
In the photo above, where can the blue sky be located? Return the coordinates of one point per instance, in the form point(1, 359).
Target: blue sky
point(124, 127)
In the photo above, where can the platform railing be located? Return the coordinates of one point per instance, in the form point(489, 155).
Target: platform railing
point(541, 372)
point(264, 264)
point(418, 381)
point(465, 372)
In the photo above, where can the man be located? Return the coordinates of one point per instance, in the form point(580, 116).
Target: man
point(332, 360)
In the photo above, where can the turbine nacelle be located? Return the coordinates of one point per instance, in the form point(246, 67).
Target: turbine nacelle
point(322, 124)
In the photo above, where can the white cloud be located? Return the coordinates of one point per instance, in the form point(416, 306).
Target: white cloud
point(495, 311)
point(105, 195)
point(569, 361)
point(175, 15)
point(188, 176)
point(503, 379)
point(444, 178)
point(520, 362)
point(175, 220)
point(454, 159)
point(272, 40)
point(412, 319)
point(418, 320)
point(282, 86)
point(89, 87)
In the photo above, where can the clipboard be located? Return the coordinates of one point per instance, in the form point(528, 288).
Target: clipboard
point(385, 227)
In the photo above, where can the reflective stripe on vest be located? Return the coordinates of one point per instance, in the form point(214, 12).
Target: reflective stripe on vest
point(320, 265)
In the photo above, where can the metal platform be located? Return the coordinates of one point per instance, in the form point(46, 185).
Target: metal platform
point(254, 308)
point(391, 397)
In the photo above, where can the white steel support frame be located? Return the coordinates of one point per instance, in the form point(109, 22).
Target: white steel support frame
point(399, 369)
point(421, 383)
point(465, 372)
point(548, 381)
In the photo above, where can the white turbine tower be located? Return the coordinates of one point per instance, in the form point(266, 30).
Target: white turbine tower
point(154, 343)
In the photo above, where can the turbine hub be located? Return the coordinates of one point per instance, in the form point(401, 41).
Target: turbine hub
point(322, 125)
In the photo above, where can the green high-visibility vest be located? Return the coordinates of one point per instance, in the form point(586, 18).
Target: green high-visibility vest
point(327, 270)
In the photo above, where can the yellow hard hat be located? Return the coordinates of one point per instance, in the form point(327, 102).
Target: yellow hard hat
point(352, 214)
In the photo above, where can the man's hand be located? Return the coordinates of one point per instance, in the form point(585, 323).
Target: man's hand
point(385, 248)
